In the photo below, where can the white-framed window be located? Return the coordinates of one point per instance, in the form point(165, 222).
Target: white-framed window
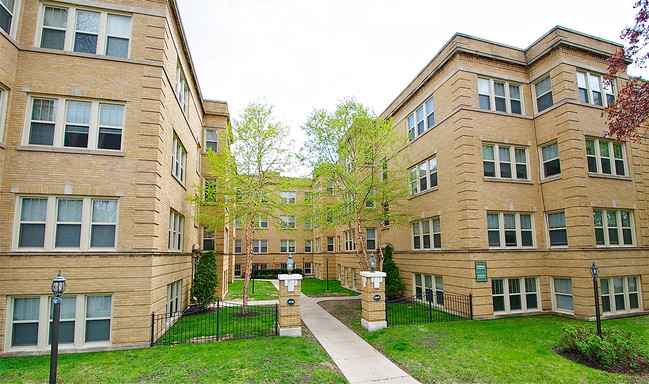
point(348, 238)
point(605, 157)
point(85, 322)
point(308, 222)
point(308, 197)
point(65, 223)
point(308, 246)
point(386, 215)
point(176, 227)
point(287, 197)
point(505, 161)
point(330, 244)
point(4, 95)
point(620, 294)
point(421, 120)
point(318, 244)
point(508, 229)
point(370, 238)
point(520, 294)
point(543, 93)
point(287, 246)
point(423, 176)
point(209, 190)
point(308, 268)
point(562, 291)
point(8, 9)
point(261, 222)
point(237, 246)
point(370, 201)
point(212, 140)
point(429, 288)
point(74, 123)
point(182, 91)
point(330, 188)
point(426, 233)
point(613, 227)
point(497, 95)
point(237, 222)
point(237, 270)
point(178, 159)
point(557, 231)
point(84, 30)
point(260, 246)
point(594, 90)
point(174, 293)
point(551, 165)
point(287, 222)
point(209, 239)
point(353, 278)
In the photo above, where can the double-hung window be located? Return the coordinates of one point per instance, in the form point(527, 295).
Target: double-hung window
point(209, 190)
point(85, 30)
point(562, 290)
point(209, 240)
point(613, 227)
point(173, 297)
point(261, 222)
point(505, 161)
point(495, 95)
point(551, 165)
point(330, 244)
point(426, 234)
point(286, 246)
point(515, 294)
point(182, 91)
point(557, 229)
point(73, 123)
point(176, 226)
point(370, 237)
point(506, 229)
point(620, 295)
point(260, 246)
point(3, 109)
point(8, 8)
point(594, 90)
point(237, 246)
point(287, 197)
point(543, 92)
point(318, 244)
point(308, 267)
point(212, 140)
point(308, 222)
point(178, 160)
point(308, 246)
point(429, 288)
point(287, 222)
point(421, 120)
point(423, 176)
point(348, 236)
point(606, 157)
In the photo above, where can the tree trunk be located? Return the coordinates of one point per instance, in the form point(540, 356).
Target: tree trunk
point(250, 235)
point(361, 252)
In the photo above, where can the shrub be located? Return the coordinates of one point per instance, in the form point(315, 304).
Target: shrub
point(616, 346)
point(393, 285)
point(205, 281)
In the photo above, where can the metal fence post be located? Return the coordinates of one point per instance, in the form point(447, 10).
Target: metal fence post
point(471, 305)
point(430, 305)
point(218, 315)
point(152, 327)
point(276, 320)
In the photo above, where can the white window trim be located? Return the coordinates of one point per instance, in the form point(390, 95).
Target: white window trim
point(414, 175)
point(523, 293)
point(174, 296)
point(611, 294)
point(368, 238)
point(182, 88)
point(287, 197)
point(178, 165)
point(258, 244)
point(13, 28)
point(349, 240)
point(512, 162)
point(4, 95)
point(176, 231)
point(518, 229)
point(508, 99)
point(331, 244)
point(589, 90)
point(287, 246)
point(240, 246)
point(612, 158)
point(206, 141)
point(423, 287)
point(547, 232)
point(287, 222)
point(318, 245)
point(261, 222)
point(412, 132)
point(204, 237)
point(542, 162)
point(310, 246)
point(536, 98)
point(237, 270)
point(554, 296)
point(431, 233)
point(620, 229)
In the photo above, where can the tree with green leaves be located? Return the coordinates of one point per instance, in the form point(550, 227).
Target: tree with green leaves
point(394, 286)
point(205, 281)
point(354, 152)
point(248, 178)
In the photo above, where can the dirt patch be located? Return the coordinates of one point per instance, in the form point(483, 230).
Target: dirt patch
point(641, 364)
point(246, 314)
point(331, 294)
point(347, 311)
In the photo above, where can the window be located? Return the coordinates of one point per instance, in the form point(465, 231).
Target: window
point(308, 246)
point(386, 214)
point(86, 31)
point(426, 290)
point(557, 229)
point(543, 91)
point(209, 240)
point(550, 160)
point(260, 246)
point(287, 197)
point(500, 96)
point(308, 222)
point(176, 225)
point(370, 200)
point(330, 188)
point(173, 297)
point(237, 270)
point(353, 278)
point(287, 246)
point(7, 10)
point(423, 176)
point(237, 222)
point(370, 237)
point(237, 246)
point(209, 190)
point(287, 222)
point(423, 237)
point(605, 157)
point(421, 120)
point(182, 92)
point(178, 160)
point(85, 124)
point(308, 197)
point(515, 294)
point(261, 222)
point(3, 106)
point(350, 244)
point(613, 227)
point(212, 140)
point(308, 267)
point(330, 244)
point(75, 223)
point(504, 161)
point(562, 288)
point(510, 229)
point(592, 89)
point(620, 295)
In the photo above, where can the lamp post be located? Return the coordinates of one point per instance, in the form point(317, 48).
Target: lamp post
point(327, 261)
point(594, 271)
point(372, 262)
point(58, 286)
point(290, 264)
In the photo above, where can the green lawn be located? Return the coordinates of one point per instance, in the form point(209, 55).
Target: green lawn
point(318, 288)
point(268, 360)
point(264, 290)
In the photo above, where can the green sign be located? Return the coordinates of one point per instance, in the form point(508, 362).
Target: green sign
point(480, 271)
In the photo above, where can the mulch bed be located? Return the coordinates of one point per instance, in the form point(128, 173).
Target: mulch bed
point(642, 364)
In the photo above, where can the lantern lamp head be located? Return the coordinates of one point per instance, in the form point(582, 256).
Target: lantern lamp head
point(372, 262)
point(594, 271)
point(290, 264)
point(58, 285)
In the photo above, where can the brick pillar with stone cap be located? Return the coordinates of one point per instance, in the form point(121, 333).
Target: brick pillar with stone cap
point(373, 300)
point(290, 287)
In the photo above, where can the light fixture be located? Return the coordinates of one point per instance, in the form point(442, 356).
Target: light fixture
point(58, 285)
point(594, 271)
point(290, 264)
point(372, 262)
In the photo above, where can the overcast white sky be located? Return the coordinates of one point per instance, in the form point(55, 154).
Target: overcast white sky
point(301, 54)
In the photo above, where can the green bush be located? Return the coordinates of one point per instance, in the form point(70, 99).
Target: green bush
point(205, 281)
point(616, 346)
point(393, 285)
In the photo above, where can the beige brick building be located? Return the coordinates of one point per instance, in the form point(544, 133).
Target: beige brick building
point(102, 125)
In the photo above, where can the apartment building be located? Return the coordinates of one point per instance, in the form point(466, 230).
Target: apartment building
point(102, 127)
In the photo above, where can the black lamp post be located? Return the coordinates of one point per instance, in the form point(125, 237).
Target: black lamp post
point(327, 261)
point(58, 286)
point(290, 264)
point(594, 271)
point(372, 262)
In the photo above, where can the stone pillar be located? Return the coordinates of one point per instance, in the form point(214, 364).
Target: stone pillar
point(290, 323)
point(373, 301)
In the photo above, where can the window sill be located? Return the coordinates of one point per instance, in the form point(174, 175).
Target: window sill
point(3, 145)
point(429, 190)
point(502, 113)
point(511, 248)
point(615, 246)
point(179, 181)
point(81, 151)
point(551, 178)
point(515, 181)
point(613, 177)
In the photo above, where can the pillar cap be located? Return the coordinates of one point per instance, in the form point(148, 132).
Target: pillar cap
point(293, 276)
point(373, 274)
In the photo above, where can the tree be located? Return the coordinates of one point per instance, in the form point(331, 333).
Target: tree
point(394, 286)
point(248, 178)
point(350, 150)
point(205, 281)
point(628, 116)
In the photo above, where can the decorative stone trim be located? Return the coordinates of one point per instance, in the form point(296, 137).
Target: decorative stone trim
point(290, 281)
point(375, 277)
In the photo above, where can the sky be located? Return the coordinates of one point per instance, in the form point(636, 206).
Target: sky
point(304, 54)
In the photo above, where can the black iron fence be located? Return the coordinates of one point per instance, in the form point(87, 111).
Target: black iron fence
point(428, 308)
point(214, 322)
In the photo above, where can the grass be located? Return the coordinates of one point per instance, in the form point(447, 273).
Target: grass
point(267, 360)
point(318, 288)
point(264, 290)
point(413, 312)
point(516, 350)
